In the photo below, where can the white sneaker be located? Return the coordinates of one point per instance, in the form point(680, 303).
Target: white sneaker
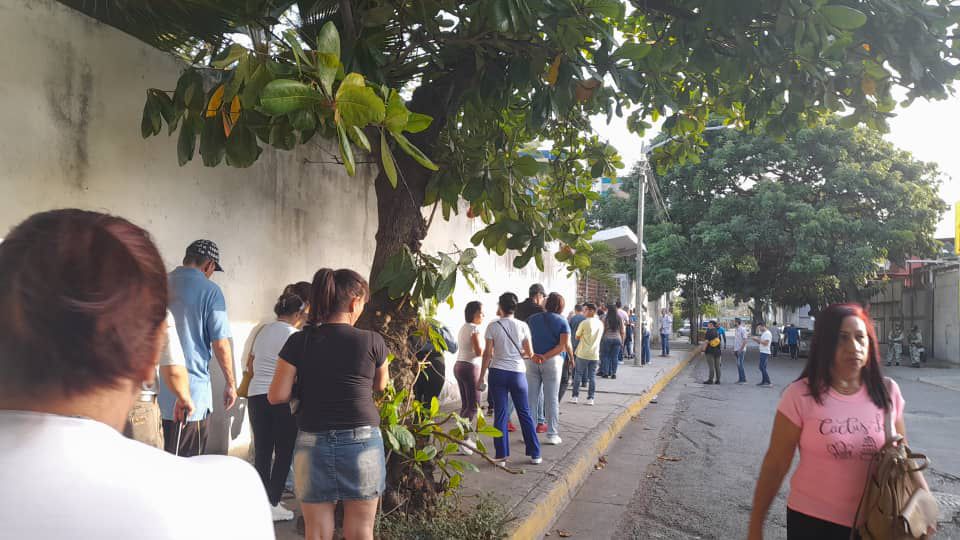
point(536, 460)
point(574, 400)
point(467, 447)
point(280, 513)
point(590, 401)
point(502, 462)
point(554, 439)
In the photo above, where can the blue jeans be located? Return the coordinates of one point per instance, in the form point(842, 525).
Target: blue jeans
point(664, 344)
point(586, 370)
point(545, 377)
point(628, 348)
point(763, 367)
point(609, 355)
point(740, 371)
point(645, 349)
point(511, 386)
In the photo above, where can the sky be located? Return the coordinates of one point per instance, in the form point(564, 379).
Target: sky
point(924, 129)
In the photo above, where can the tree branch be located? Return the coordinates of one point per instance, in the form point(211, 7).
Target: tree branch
point(662, 6)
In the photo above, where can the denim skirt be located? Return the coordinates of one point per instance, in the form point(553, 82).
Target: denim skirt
point(339, 465)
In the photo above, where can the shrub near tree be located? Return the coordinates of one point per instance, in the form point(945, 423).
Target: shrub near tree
point(444, 96)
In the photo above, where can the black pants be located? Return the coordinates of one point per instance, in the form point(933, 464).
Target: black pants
point(192, 437)
point(774, 348)
point(274, 437)
point(794, 351)
point(564, 377)
point(804, 527)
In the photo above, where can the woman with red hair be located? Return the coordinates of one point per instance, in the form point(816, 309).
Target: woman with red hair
point(83, 303)
point(833, 413)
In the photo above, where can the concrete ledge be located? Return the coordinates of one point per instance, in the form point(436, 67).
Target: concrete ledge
point(550, 500)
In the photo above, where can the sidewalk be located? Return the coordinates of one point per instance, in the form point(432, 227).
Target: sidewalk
point(537, 497)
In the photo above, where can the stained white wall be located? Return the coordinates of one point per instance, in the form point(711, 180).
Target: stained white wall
point(70, 104)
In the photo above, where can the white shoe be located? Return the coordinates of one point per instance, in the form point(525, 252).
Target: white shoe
point(536, 460)
point(467, 447)
point(280, 513)
point(590, 402)
point(574, 400)
point(500, 462)
point(554, 439)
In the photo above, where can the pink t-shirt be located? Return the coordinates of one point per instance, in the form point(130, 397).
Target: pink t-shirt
point(837, 441)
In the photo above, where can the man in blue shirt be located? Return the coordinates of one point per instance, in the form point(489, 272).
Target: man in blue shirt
point(793, 340)
point(568, 366)
point(200, 312)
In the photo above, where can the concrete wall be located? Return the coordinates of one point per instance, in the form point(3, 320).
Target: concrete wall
point(70, 103)
point(946, 316)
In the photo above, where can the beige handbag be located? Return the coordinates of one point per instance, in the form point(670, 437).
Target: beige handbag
point(893, 505)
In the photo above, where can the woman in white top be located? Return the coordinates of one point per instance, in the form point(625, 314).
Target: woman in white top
point(83, 304)
point(274, 427)
point(508, 345)
point(467, 368)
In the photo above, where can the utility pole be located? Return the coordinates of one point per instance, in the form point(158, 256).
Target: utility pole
point(640, 305)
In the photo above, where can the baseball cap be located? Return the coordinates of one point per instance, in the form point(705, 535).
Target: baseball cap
point(206, 248)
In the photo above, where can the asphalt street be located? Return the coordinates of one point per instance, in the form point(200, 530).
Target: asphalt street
point(687, 465)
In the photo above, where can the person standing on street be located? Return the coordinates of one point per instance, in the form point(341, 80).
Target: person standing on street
point(740, 339)
point(550, 334)
point(895, 346)
point(793, 341)
point(915, 339)
point(628, 342)
point(833, 415)
point(711, 349)
point(764, 341)
point(574, 321)
point(504, 356)
point(612, 344)
point(534, 304)
point(339, 455)
point(774, 339)
point(200, 312)
point(645, 342)
point(467, 368)
point(144, 423)
point(722, 332)
point(83, 321)
point(627, 330)
point(589, 333)
point(666, 329)
point(274, 427)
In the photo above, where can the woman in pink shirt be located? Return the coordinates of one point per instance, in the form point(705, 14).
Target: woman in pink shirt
point(834, 415)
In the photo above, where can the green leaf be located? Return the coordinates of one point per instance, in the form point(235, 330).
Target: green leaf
point(346, 152)
point(212, 141)
point(303, 120)
point(397, 114)
point(357, 104)
point(414, 152)
point(291, 38)
point(451, 448)
point(455, 481)
point(418, 122)
point(328, 56)
point(434, 406)
point(426, 454)
point(526, 165)
point(284, 96)
point(386, 158)
point(490, 431)
point(254, 85)
point(392, 442)
point(228, 56)
point(633, 51)
point(241, 148)
point(187, 140)
point(445, 286)
point(150, 123)
point(359, 137)
point(403, 436)
point(843, 17)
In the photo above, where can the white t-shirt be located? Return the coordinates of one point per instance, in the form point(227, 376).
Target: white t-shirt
point(465, 344)
point(266, 347)
point(666, 324)
point(77, 478)
point(505, 353)
point(172, 355)
point(768, 337)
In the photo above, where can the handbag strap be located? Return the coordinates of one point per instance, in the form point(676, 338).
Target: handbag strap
point(510, 337)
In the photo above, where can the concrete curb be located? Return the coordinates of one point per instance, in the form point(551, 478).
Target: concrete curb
point(537, 523)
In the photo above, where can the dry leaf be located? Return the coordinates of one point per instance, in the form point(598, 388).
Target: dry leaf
point(663, 457)
point(215, 101)
point(564, 534)
point(554, 71)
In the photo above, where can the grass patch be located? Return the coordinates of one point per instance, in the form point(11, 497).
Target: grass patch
point(452, 518)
